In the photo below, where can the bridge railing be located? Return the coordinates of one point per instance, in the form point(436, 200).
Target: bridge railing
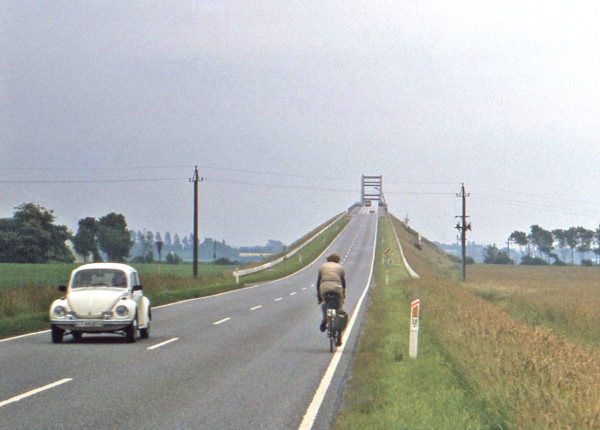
point(409, 269)
point(243, 272)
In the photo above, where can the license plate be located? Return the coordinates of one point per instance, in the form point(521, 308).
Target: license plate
point(88, 323)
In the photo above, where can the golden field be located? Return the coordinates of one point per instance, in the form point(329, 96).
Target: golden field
point(564, 299)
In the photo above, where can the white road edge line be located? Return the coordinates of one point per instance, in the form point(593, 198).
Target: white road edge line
point(315, 405)
point(158, 345)
point(221, 321)
point(24, 335)
point(36, 391)
point(256, 307)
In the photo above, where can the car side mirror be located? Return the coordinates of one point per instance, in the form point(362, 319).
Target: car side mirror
point(137, 288)
point(62, 288)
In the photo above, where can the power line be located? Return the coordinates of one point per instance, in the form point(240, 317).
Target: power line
point(89, 181)
point(541, 207)
point(164, 166)
point(539, 196)
point(84, 168)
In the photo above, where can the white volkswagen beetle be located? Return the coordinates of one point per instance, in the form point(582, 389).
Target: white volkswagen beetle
point(101, 298)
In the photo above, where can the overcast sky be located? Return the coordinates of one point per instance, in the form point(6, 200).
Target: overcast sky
point(107, 106)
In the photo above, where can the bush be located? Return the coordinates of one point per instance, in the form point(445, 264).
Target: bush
point(174, 258)
point(492, 255)
point(533, 261)
point(224, 262)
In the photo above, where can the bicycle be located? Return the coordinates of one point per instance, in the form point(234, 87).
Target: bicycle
point(335, 320)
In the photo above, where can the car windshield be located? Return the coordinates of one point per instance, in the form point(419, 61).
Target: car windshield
point(99, 277)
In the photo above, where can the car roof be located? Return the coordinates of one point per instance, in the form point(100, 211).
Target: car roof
point(116, 266)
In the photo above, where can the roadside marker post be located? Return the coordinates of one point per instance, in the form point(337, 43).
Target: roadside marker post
point(386, 252)
point(414, 328)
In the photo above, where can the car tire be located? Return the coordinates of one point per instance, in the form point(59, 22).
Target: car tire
point(145, 332)
point(77, 335)
point(57, 334)
point(131, 331)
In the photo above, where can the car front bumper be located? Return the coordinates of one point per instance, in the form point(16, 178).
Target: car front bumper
point(91, 325)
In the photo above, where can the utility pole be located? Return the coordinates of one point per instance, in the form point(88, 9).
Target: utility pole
point(195, 179)
point(463, 226)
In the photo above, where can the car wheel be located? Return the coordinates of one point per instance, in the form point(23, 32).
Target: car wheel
point(131, 331)
point(57, 334)
point(145, 332)
point(77, 335)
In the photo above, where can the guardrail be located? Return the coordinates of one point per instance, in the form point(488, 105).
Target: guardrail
point(409, 269)
point(239, 273)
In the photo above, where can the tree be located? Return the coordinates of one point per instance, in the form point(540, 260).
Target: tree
point(520, 238)
point(148, 243)
point(597, 242)
point(541, 239)
point(491, 255)
point(177, 242)
point(8, 239)
point(85, 241)
point(584, 241)
point(32, 237)
point(113, 237)
point(560, 236)
point(572, 241)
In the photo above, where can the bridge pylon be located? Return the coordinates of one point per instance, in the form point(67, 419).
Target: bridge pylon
point(372, 190)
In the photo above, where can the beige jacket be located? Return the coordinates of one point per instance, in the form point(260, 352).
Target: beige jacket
point(332, 277)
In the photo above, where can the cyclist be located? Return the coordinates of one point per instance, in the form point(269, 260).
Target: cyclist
point(331, 278)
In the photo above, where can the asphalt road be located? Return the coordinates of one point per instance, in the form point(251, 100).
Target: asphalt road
point(249, 359)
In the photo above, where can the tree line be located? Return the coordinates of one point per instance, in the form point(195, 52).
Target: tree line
point(31, 236)
point(541, 246)
point(144, 246)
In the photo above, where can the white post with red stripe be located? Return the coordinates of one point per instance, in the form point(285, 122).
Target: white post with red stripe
point(414, 328)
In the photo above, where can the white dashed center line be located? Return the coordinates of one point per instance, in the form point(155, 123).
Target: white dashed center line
point(158, 345)
point(256, 307)
point(221, 321)
point(278, 299)
point(32, 392)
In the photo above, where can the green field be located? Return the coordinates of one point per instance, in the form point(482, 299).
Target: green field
point(23, 275)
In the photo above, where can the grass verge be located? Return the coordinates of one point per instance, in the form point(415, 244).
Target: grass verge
point(387, 389)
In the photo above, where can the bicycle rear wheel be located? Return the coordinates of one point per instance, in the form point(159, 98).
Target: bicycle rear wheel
point(331, 333)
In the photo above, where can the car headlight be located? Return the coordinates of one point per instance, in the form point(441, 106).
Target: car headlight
point(60, 311)
point(122, 310)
